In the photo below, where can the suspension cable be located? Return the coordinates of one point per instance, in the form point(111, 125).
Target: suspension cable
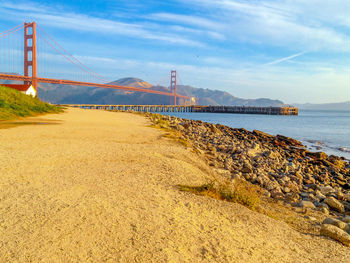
point(69, 54)
point(62, 53)
point(10, 31)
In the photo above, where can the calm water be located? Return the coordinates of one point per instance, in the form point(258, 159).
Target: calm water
point(327, 131)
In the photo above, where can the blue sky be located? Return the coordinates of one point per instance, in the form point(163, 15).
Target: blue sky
point(296, 51)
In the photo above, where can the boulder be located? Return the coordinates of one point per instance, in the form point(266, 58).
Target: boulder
point(185, 125)
point(223, 172)
point(179, 127)
point(214, 129)
point(311, 218)
point(320, 196)
point(347, 197)
point(346, 219)
point(335, 233)
point(338, 223)
point(317, 155)
point(334, 204)
point(263, 134)
point(288, 140)
point(247, 168)
point(307, 204)
point(324, 210)
point(327, 190)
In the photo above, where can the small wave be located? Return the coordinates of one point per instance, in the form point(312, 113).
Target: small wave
point(340, 151)
point(319, 143)
point(343, 149)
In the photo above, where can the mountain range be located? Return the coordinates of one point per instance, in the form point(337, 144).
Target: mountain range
point(340, 106)
point(66, 94)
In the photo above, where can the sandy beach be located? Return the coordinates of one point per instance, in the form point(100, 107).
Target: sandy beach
point(97, 186)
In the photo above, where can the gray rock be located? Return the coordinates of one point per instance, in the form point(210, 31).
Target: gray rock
point(327, 190)
point(335, 233)
point(307, 204)
point(304, 195)
point(346, 219)
point(334, 204)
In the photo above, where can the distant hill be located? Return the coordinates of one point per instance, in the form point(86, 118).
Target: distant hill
point(66, 94)
point(217, 97)
point(132, 82)
point(342, 106)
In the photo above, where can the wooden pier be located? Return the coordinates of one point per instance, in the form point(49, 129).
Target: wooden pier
point(191, 108)
point(247, 110)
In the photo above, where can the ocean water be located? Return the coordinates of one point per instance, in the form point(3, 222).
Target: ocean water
point(327, 131)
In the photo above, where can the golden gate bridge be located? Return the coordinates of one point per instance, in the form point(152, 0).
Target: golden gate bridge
point(20, 58)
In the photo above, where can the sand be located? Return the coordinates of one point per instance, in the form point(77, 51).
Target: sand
point(102, 187)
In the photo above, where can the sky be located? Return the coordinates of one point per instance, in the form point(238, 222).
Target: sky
point(294, 50)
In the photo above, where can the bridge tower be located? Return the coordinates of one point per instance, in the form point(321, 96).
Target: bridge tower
point(173, 84)
point(30, 65)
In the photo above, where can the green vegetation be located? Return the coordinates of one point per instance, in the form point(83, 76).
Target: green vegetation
point(237, 191)
point(14, 104)
point(159, 122)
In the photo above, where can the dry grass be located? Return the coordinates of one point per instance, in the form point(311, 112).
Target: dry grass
point(160, 123)
point(177, 136)
point(237, 191)
point(295, 218)
point(250, 195)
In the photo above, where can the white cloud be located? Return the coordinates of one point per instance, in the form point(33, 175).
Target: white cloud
point(311, 25)
point(187, 19)
point(71, 21)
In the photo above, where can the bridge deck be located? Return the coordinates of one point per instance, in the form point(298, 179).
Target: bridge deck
point(191, 108)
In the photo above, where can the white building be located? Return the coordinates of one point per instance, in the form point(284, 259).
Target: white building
point(24, 88)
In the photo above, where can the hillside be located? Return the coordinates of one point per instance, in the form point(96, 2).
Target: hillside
point(217, 97)
point(132, 82)
point(71, 94)
point(14, 104)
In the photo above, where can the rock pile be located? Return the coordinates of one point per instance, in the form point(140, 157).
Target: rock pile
point(281, 165)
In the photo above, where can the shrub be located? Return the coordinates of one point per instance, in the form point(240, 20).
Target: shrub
point(237, 191)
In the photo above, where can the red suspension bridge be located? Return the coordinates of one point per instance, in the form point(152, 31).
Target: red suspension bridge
point(26, 57)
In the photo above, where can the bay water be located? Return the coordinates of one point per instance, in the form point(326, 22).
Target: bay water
point(327, 131)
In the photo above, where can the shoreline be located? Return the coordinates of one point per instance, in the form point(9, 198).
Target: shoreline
point(281, 165)
point(314, 146)
point(328, 144)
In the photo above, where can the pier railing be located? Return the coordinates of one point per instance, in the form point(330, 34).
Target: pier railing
point(191, 108)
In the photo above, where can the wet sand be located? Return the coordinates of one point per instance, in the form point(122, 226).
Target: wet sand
point(101, 187)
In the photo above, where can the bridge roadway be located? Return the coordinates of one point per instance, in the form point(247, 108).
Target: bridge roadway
point(89, 84)
point(191, 108)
